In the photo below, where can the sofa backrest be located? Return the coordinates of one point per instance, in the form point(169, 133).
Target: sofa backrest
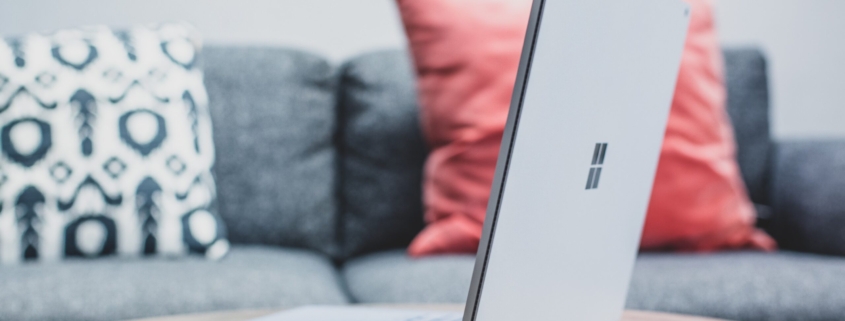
point(748, 105)
point(274, 121)
point(382, 153)
point(331, 159)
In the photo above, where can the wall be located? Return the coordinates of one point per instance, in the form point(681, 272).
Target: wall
point(336, 29)
point(803, 38)
point(805, 42)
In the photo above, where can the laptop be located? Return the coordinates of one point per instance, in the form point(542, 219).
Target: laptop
point(576, 167)
point(578, 160)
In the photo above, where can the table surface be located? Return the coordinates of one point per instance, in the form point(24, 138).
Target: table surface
point(245, 315)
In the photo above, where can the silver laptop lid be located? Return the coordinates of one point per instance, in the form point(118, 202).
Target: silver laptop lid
point(578, 160)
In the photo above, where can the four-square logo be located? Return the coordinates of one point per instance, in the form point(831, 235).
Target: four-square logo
point(598, 162)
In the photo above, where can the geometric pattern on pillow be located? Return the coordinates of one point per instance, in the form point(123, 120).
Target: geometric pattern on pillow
point(106, 146)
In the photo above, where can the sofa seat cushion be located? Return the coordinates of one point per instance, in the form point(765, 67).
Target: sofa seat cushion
point(742, 286)
point(115, 289)
point(394, 277)
point(734, 286)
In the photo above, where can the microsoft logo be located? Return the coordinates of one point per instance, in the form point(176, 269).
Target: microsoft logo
point(595, 170)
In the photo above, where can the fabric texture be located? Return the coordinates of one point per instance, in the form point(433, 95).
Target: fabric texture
point(466, 55)
point(395, 277)
point(808, 187)
point(107, 146)
point(382, 153)
point(274, 125)
point(698, 201)
point(748, 286)
point(748, 106)
point(250, 277)
point(741, 286)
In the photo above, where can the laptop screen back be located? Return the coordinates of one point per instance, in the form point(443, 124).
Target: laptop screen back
point(578, 160)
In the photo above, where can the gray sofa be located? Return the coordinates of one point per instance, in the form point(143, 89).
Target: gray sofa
point(319, 170)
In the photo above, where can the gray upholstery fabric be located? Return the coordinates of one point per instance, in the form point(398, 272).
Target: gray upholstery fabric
point(748, 106)
point(736, 286)
point(809, 196)
point(741, 286)
point(393, 277)
point(116, 289)
point(274, 123)
point(382, 153)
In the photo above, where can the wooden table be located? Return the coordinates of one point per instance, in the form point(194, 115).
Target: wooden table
point(250, 314)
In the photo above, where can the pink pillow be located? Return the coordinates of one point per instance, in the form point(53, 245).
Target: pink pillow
point(466, 55)
point(699, 201)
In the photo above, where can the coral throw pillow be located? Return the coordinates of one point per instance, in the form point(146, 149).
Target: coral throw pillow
point(699, 202)
point(466, 55)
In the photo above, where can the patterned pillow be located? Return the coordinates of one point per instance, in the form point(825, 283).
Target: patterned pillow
point(106, 146)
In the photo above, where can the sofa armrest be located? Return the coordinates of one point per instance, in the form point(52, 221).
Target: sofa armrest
point(808, 196)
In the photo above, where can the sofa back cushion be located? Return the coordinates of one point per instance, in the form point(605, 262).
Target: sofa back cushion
point(393, 122)
point(748, 107)
point(382, 153)
point(274, 124)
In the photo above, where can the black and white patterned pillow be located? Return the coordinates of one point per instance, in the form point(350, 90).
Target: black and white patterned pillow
point(106, 146)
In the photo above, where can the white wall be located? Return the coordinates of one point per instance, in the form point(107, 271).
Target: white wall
point(805, 39)
point(336, 29)
point(805, 42)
